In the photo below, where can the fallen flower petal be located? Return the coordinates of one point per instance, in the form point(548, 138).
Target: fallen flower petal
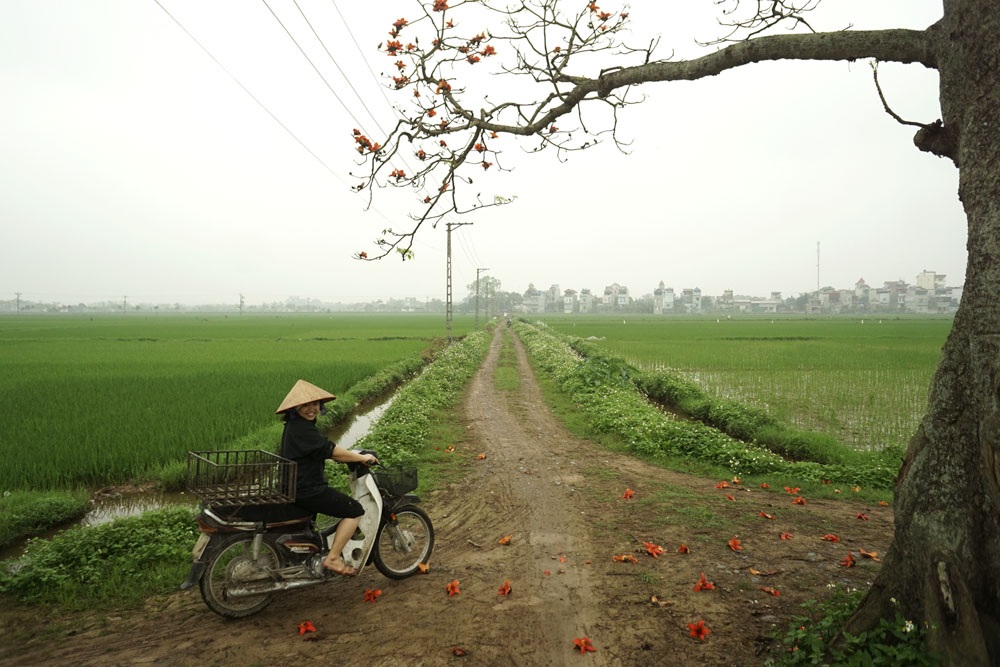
point(698, 630)
point(766, 515)
point(729, 496)
point(481, 456)
point(372, 595)
point(625, 558)
point(869, 554)
point(765, 485)
point(653, 550)
point(452, 588)
point(786, 536)
point(862, 516)
point(722, 485)
point(458, 651)
point(628, 494)
point(768, 589)
point(704, 584)
point(683, 549)
point(306, 626)
point(830, 537)
point(799, 501)
point(791, 490)
point(505, 589)
point(883, 503)
point(583, 643)
point(848, 560)
point(735, 545)
point(505, 539)
point(423, 568)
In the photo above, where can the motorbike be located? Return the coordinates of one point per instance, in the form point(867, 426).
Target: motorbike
point(255, 542)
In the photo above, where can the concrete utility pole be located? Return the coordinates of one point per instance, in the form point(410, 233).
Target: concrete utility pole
point(477, 295)
point(447, 304)
point(18, 301)
point(241, 304)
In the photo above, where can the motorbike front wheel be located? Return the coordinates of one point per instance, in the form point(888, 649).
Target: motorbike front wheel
point(231, 569)
point(404, 543)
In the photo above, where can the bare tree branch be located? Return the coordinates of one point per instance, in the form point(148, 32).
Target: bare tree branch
point(453, 131)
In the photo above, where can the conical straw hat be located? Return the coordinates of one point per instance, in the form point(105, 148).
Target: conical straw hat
point(304, 392)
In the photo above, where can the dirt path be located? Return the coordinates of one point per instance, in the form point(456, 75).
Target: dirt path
point(561, 501)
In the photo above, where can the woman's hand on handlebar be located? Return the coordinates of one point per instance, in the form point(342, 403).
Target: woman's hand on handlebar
point(369, 459)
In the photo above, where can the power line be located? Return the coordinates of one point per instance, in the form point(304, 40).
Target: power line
point(252, 96)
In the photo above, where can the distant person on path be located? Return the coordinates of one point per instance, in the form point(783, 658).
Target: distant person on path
point(302, 442)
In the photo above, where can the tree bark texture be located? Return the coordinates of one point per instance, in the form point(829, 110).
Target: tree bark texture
point(944, 564)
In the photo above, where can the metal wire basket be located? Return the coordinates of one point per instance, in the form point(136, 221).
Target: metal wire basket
point(241, 477)
point(396, 481)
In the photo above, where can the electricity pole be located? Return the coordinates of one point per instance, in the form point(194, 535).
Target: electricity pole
point(447, 304)
point(477, 295)
point(18, 302)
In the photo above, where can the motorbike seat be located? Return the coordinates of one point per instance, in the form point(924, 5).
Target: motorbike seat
point(271, 514)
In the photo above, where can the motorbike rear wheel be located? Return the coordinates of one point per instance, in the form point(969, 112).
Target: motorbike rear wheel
point(402, 545)
point(231, 566)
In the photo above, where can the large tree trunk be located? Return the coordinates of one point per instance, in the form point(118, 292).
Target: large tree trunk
point(944, 564)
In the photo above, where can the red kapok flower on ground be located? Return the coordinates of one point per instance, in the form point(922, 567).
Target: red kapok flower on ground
point(737, 480)
point(766, 515)
point(770, 591)
point(505, 589)
point(584, 645)
point(452, 588)
point(704, 584)
point(729, 496)
point(625, 558)
point(628, 493)
point(480, 456)
point(458, 651)
point(848, 560)
point(786, 536)
point(683, 549)
point(735, 545)
point(862, 516)
point(869, 554)
point(698, 630)
point(505, 540)
point(765, 485)
point(856, 489)
point(306, 626)
point(799, 500)
point(653, 550)
point(791, 490)
point(423, 568)
point(830, 537)
point(372, 595)
point(722, 485)
point(883, 503)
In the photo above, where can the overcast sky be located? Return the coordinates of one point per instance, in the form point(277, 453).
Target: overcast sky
point(133, 164)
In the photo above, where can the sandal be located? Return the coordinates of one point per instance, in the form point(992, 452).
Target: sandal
point(344, 570)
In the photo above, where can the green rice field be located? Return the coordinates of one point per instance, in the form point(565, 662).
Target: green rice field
point(862, 381)
point(94, 401)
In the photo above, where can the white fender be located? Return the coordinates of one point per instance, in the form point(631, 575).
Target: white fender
point(366, 492)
